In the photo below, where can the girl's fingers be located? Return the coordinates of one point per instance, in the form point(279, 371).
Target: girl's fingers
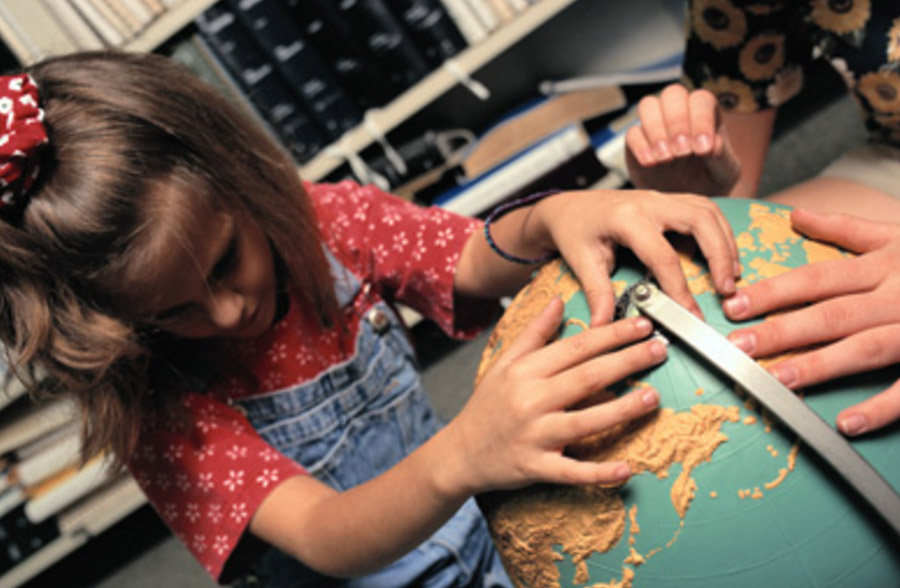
point(573, 351)
point(704, 121)
point(590, 377)
point(654, 126)
point(578, 424)
point(713, 234)
point(871, 414)
point(565, 470)
point(536, 334)
point(675, 111)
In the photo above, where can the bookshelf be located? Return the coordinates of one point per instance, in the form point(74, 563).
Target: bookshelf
point(435, 85)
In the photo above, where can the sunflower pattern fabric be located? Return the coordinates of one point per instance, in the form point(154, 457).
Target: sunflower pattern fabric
point(755, 54)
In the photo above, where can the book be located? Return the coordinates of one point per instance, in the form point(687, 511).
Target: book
point(273, 97)
point(104, 29)
point(502, 9)
point(53, 494)
point(81, 32)
point(421, 155)
point(468, 24)
point(485, 14)
point(155, 7)
point(430, 27)
point(537, 118)
point(61, 450)
point(477, 195)
point(133, 20)
point(108, 13)
point(580, 172)
point(194, 53)
point(26, 421)
point(385, 39)
point(664, 71)
point(282, 39)
point(37, 33)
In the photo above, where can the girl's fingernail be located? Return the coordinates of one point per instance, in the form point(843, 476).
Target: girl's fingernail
point(643, 325)
point(728, 286)
point(623, 472)
point(737, 305)
point(746, 342)
point(702, 143)
point(646, 157)
point(853, 424)
point(738, 269)
point(650, 398)
point(786, 374)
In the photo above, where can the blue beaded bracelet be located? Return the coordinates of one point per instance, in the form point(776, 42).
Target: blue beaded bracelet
point(503, 209)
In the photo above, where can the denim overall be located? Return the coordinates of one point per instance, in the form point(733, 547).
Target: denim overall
point(351, 424)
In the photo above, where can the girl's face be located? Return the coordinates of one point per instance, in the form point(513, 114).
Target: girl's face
point(217, 279)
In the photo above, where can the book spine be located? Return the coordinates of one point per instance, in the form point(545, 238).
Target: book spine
point(282, 39)
point(110, 35)
point(333, 40)
point(84, 36)
point(273, 97)
point(431, 28)
point(106, 10)
point(122, 11)
point(386, 40)
point(468, 24)
point(484, 13)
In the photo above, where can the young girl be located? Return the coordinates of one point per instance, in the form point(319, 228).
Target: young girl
point(228, 329)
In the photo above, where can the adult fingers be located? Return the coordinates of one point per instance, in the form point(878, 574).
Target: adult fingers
point(871, 349)
point(677, 116)
point(849, 232)
point(589, 377)
point(654, 125)
point(810, 283)
point(703, 118)
point(639, 146)
point(871, 414)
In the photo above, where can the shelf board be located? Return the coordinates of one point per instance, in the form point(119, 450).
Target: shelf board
point(435, 85)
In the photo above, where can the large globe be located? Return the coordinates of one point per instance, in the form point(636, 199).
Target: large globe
point(722, 495)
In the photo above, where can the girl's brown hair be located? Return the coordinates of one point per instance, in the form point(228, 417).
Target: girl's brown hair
point(120, 126)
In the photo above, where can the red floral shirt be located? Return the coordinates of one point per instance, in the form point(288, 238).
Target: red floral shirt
point(207, 479)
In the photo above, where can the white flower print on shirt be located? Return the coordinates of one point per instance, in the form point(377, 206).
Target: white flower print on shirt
point(239, 512)
point(205, 482)
point(267, 477)
point(443, 238)
point(400, 241)
point(236, 452)
point(268, 454)
point(215, 513)
point(234, 480)
point(192, 512)
point(173, 452)
point(199, 543)
point(220, 545)
point(170, 511)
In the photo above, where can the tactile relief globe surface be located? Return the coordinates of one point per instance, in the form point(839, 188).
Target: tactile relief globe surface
point(722, 495)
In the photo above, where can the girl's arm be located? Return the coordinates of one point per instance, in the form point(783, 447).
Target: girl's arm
point(511, 433)
point(586, 227)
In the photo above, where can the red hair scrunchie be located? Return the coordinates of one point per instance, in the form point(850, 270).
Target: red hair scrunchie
point(22, 136)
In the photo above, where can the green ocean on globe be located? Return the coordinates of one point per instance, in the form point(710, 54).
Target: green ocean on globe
point(723, 495)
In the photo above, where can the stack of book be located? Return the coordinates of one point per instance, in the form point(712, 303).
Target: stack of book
point(50, 502)
point(310, 69)
point(64, 26)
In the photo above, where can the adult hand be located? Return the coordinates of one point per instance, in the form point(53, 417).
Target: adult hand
point(679, 145)
point(854, 315)
point(586, 227)
point(537, 399)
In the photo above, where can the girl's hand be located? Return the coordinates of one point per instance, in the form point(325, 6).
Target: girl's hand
point(679, 145)
point(513, 430)
point(854, 313)
point(585, 228)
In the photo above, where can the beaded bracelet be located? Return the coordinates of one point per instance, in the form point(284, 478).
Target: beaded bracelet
point(503, 209)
